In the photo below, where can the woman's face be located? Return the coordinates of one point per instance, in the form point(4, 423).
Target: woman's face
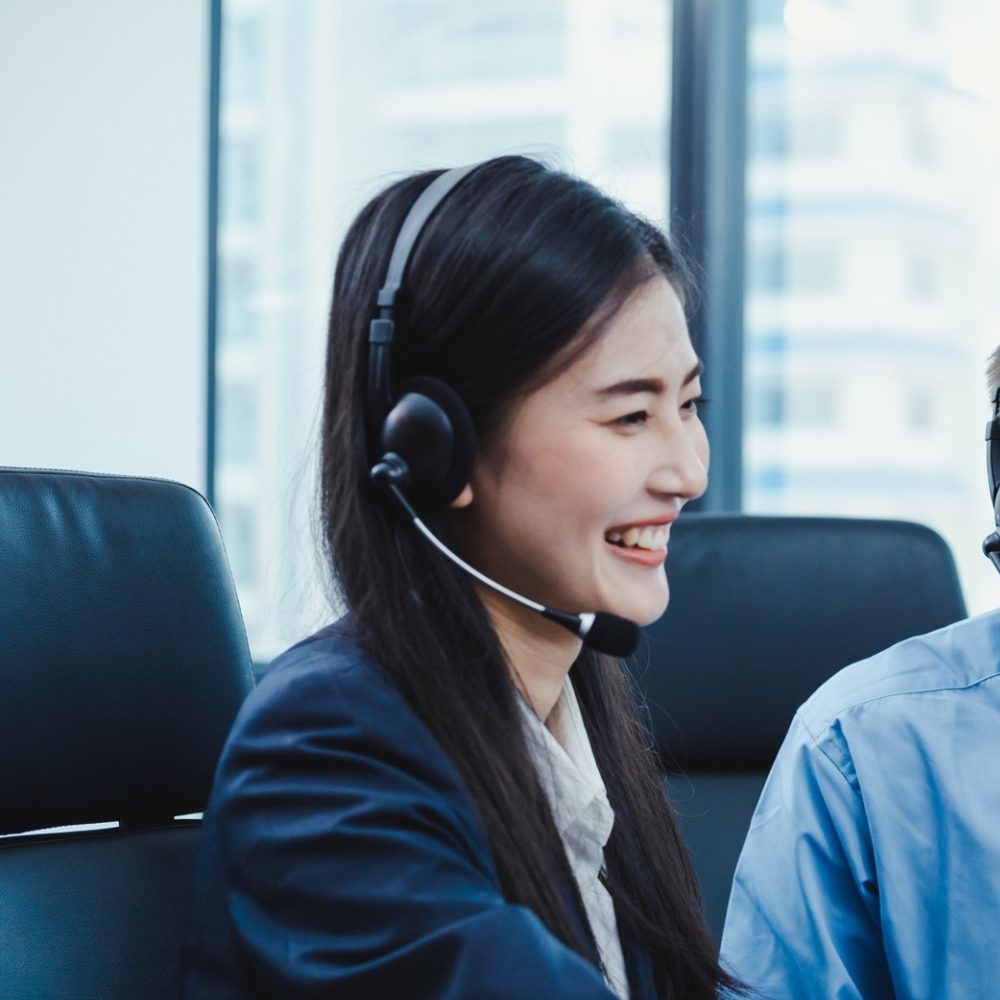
point(571, 501)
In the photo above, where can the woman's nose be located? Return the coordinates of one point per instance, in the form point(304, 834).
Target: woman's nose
point(683, 467)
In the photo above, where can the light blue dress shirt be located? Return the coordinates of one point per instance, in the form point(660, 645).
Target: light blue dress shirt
point(872, 865)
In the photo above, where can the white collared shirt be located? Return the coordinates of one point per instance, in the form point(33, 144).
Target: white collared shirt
point(583, 816)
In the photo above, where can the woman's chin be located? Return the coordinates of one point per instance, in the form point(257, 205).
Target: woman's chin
point(643, 612)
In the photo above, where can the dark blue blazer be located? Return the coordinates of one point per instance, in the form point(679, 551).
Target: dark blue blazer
point(342, 857)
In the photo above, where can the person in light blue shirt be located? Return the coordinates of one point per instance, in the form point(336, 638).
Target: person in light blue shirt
point(872, 865)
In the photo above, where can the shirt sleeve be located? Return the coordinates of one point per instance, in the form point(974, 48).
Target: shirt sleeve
point(803, 919)
point(355, 868)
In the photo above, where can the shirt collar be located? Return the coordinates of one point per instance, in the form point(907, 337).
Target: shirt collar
point(570, 779)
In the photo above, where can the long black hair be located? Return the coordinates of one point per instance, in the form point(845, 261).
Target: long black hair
point(519, 266)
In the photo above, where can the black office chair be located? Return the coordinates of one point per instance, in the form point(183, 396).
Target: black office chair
point(762, 611)
point(123, 660)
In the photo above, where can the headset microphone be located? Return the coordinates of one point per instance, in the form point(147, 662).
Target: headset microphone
point(600, 630)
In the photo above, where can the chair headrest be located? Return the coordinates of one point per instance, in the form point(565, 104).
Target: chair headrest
point(123, 656)
point(764, 609)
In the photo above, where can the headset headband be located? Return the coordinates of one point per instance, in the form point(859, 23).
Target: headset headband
point(381, 331)
point(991, 543)
point(993, 452)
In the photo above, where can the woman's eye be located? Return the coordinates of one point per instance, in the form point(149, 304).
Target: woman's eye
point(636, 419)
point(694, 405)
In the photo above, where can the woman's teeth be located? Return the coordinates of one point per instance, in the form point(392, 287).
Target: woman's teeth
point(642, 538)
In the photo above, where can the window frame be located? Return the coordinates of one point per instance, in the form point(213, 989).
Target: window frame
point(708, 216)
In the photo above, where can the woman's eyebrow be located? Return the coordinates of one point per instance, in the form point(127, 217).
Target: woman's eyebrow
point(631, 386)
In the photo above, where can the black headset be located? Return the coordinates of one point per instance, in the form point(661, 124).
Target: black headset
point(991, 544)
point(422, 440)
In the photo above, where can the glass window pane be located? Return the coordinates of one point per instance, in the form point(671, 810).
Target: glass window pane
point(872, 261)
point(323, 103)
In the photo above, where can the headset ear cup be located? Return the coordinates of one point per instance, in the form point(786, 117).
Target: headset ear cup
point(431, 430)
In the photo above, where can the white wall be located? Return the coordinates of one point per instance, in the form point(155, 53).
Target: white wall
point(103, 167)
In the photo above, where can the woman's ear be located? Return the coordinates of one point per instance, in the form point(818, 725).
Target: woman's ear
point(463, 499)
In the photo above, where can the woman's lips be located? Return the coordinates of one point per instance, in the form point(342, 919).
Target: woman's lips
point(642, 557)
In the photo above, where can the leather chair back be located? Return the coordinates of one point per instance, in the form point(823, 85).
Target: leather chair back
point(762, 611)
point(123, 661)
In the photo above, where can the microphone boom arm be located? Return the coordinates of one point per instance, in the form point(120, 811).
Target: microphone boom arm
point(458, 560)
point(602, 631)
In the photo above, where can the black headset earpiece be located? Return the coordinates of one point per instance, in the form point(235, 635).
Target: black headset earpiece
point(421, 439)
point(991, 544)
point(429, 429)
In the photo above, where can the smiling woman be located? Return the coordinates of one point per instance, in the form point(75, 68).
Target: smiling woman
point(610, 447)
point(445, 794)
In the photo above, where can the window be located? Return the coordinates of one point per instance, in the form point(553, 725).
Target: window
point(241, 541)
point(768, 267)
point(923, 276)
point(461, 141)
point(919, 409)
point(812, 404)
point(238, 423)
point(873, 243)
point(324, 103)
point(637, 144)
point(774, 135)
point(441, 42)
point(244, 80)
point(818, 136)
point(923, 142)
point(814, 270)
point(768, 13)
point(766, 404)
point(242, 180)
point(803, 404)
point(768, 137)
point(236, 305)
